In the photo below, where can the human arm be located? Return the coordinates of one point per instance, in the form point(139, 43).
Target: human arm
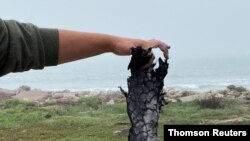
point(79, 45)
point(25, 46)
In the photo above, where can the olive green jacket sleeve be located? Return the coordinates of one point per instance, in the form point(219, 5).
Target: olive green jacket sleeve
point(24, 46)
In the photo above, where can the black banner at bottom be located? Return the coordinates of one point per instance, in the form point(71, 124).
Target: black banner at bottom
point(175, 131)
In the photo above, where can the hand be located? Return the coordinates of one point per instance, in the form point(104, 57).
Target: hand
point(123, 47)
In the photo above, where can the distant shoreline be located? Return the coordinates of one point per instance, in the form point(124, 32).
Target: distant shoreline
point(100, 89)
point(26, 93)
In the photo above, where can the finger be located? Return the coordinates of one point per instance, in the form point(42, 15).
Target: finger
point(163, 47)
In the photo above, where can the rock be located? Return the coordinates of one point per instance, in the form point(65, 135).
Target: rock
point(187, 93)
point(57, 96)
point(65, 95)
point(173, 93)
point(66, 91)
point(83, 93)
point(240, 89)
point(23, 88)
point(122, 132)
point(6, 94)
point(65, 98)
point(65, 101)
point(116, 96)
point(170, 99)
point(231, 93)
point(246, 93)
point(241, 97)
point(188, 98)
point(218, 95)
point(224, 92)
point(110, 102)
point(231, 87)
point(230, 97)
point(194, 97)
point(248, 97)
point(237, 94)
point(33, 95)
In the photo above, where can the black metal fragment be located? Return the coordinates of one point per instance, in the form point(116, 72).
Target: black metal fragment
point(145, 96)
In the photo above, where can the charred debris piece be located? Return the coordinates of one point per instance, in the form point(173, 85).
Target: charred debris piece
point(145, 96)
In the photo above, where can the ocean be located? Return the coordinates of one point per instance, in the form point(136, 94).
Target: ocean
point(107, 72)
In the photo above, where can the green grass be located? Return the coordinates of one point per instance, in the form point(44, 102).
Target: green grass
point(88, 120)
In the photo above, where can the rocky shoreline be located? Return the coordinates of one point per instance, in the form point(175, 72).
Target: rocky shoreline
point(111, 97)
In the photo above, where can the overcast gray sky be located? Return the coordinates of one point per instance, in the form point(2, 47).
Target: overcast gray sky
point(194, 28)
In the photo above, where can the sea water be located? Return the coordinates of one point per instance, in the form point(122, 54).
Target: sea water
point(108, 71)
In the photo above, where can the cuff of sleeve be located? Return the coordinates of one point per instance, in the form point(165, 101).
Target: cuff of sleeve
point(50, 39)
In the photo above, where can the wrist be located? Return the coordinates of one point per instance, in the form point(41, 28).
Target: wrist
point(122, 46)
point(114, 44)
point(139, 43)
